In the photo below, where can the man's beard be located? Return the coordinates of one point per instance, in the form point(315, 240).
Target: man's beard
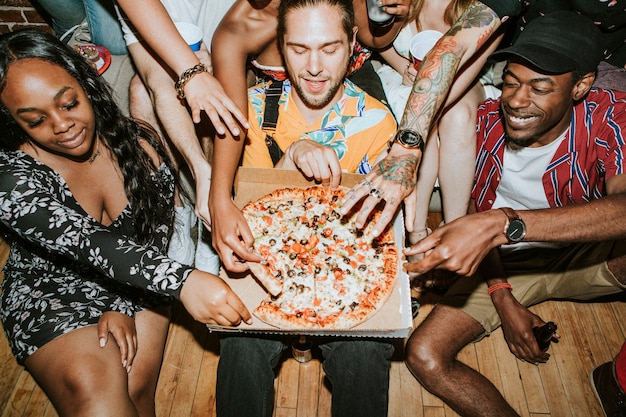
point(522, 143)
point(317, 103)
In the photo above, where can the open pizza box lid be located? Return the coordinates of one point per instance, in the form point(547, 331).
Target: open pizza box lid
point(394, 319)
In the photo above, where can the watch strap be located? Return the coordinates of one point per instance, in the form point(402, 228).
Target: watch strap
point(510, 216)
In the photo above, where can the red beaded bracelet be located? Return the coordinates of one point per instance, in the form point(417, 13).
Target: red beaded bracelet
point(496, 287)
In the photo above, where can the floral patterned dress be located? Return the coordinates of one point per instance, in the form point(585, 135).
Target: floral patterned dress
point(65, 269)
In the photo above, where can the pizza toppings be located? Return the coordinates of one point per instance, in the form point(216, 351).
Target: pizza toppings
point(322, 272)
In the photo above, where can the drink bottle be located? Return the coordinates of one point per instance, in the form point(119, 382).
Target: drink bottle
point(301, 349)
point(544, 334)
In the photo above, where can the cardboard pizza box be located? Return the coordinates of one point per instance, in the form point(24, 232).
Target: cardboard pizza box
point(393, 320)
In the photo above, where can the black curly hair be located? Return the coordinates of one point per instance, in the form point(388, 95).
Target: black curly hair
point(118, 132)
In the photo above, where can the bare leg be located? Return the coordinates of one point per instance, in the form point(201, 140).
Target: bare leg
point(426, 178)
point(431, 356)
point(141, 103)
point(81, 378)
point(141, 108)
point(175, 121)
point(457, 153)
point(425, 183)
point(152, 326)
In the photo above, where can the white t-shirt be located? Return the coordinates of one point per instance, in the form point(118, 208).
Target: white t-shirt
point(521, 186)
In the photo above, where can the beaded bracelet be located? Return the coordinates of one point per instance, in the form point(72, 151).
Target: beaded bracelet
point(496, 287)
point(187, 75)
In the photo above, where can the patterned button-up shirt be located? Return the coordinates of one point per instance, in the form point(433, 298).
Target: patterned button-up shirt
point(593, 151)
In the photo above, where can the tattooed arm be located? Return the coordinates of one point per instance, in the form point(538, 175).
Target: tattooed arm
point(464, 47)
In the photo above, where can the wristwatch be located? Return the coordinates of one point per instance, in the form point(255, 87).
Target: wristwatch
point(408, 139)
point(515, 228)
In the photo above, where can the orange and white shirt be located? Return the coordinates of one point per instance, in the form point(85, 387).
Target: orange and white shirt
point(358, 127)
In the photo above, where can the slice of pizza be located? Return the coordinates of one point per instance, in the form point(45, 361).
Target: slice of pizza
point(266, 221)
point(264, 274)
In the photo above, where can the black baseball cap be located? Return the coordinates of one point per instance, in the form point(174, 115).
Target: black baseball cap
point(557, 43)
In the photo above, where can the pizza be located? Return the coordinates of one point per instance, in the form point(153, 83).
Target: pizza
point(320, 271)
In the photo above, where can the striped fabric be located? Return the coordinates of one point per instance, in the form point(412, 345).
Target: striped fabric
point(592, 152)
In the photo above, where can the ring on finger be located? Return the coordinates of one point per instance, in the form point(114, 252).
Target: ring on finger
point(374, 192)
point(367, 183)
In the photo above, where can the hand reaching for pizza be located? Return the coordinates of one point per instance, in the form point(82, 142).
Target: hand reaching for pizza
point(459, 246)
point(211, 301)
point(393, 180)
point(205, 93)
point(231, 236)
point(314, 161)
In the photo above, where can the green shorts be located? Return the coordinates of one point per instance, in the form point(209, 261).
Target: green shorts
point(576, 272)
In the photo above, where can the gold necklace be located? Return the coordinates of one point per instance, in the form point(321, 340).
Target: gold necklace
point(95, 154)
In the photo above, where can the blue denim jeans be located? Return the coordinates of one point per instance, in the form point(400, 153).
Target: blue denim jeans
point(358, 370)
point(102, 21)
point(65, 14)
point(104, 27)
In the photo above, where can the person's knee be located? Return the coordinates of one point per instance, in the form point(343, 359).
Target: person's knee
point(142, 394)
point(259, 353)
point(433, 346)
point(246, 372)
point(164, 100)
point(139, 99)
point(348, 356)
point(154, 81)
point(85, 389)
point(137, 88)
point(361, 348)
point(453, 126)
point(422, 358)
point(358, 371)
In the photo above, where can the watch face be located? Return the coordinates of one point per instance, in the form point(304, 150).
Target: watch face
point(516, 230)
point(410, 139)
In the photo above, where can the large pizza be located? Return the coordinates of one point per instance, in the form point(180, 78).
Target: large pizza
point(320, 271)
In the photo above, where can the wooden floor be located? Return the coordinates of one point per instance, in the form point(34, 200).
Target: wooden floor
point(591, 333)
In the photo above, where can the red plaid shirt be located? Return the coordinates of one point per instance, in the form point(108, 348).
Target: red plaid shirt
point(593, 150)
